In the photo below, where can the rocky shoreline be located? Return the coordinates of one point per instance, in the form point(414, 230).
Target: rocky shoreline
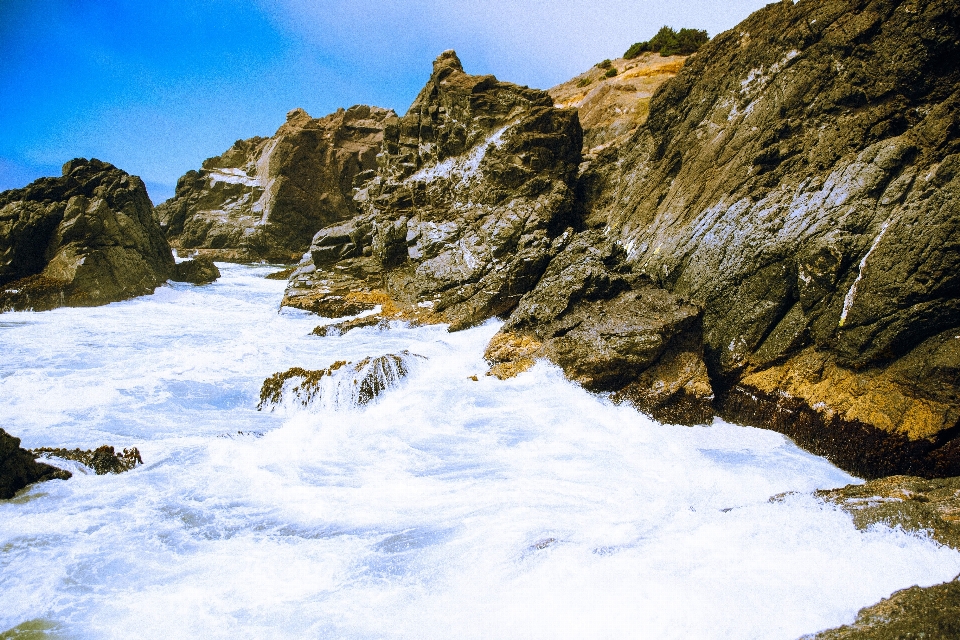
point(765, 231)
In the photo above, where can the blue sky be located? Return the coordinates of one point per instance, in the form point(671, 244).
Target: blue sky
point(156, 86)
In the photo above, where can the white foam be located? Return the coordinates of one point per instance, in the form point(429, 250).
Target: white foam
point(525, 508)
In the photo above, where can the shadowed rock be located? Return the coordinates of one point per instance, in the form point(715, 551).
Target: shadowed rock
point(610, 331)
point(84, 239)
point(200, 270)
point(19, 468)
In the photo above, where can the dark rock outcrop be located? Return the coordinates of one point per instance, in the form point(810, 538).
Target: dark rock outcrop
point(798, 181)
point(610, 331)
point(199, 270)
point(265, 198)
point(84, 239)
point(473, 185)
point(19, 467)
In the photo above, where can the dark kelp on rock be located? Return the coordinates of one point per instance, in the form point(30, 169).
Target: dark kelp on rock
point(102, 460)
point(341, 384)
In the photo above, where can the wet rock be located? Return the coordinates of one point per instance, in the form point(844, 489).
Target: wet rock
point(915, 504)
point(19, 468)
point(610, 331)
point(102, 460)
point(932, 613)
point(265, 198)
point(200, 270)
point(86, 238)
point(797, 180)
point(342, 384)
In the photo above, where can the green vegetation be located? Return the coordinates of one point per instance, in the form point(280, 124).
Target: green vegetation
point(584, 82)
point(670, 43)
point(605, 64)
point(610, 73)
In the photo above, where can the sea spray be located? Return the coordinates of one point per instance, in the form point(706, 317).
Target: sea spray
point(449, 507)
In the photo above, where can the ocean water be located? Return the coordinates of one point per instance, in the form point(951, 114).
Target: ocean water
point(447, 508)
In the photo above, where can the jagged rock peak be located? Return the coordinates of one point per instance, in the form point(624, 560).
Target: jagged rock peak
point(446, 63)
point(297, 114)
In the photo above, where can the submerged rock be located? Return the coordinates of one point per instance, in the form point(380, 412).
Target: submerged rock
point(84, 239)
point(19, 468)
point(341, 384)
point(932, 613)
point(915, 504)
point(265, 198)
point(200, 270)
point(102, 460)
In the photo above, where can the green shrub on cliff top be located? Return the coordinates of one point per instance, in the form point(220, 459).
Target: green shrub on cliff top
point(670, 43)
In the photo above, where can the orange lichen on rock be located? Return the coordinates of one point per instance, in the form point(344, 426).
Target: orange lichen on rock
point(510, 354)
point(870, 396)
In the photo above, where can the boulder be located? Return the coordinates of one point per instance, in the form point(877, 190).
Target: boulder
point(200, 270)
point(797, 180)
point(265, 198)
point(342, 384)
point(19, 468)
point(84, 239)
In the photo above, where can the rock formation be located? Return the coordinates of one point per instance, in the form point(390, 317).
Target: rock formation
point(86, 238)
point(798, 181)
point(610, 331)
point(342, 384)
point(612, 106)
point(18, 467)
point(265, 198)
point(200, 270)
point(102, 460)
point(473, 185)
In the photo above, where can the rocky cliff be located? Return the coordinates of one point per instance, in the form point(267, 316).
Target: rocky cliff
point(798, 181)
point(613, 99)
point(86, 238)
point(473, 187)
point(265, 198)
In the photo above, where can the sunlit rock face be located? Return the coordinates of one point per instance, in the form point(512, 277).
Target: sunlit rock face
point(265, 198)
point(86, 238)
point(798, 181)
point(474, 184)
point(473, 187)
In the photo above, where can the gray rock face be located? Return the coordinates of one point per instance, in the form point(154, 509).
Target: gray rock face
point(265, 198)
point(798, 181)
point(84, 239)
point(473, 184)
